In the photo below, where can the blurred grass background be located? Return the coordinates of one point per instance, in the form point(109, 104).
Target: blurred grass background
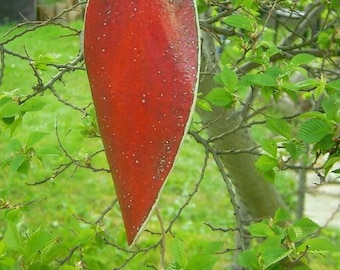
point(61, 204)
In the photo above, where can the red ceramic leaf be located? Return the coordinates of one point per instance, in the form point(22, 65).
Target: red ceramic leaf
point(142, 59)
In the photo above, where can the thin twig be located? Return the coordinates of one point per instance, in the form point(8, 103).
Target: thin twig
point(221, 229)
point(126, 262)
point(39, 24)
point(163, 236)
point(107, 210)
point(69, 255)
point(58, 171)
point(191, 195)
point(228, 183)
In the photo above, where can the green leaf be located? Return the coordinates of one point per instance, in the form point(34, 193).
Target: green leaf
point(335, 6)
point(14, 146)
point(32, 105)
point(295, 150)
point(219, 97)
point(12, 238)
point(24, 167)
point(274, 255)
point(281, 215)
point(13, 216)
point(302, 59)
point(228, 78)
point(35, 137)
point(331, 106)
point(51, 252)
point(304, 85)
point(4, 100)
point(36, 242)
point(323, 39)
point(279, 230)
point(337, 171)
point(9, 110)
point(42, 59)
point(301, 229)
point(239, 21)
point(318, 245)
point(269, 176)
point(84, 235)
point(271, 49)
point(279, 126)
point(272, 242)
point(248, 259)
point(330, 162)
point(203, 104)
point(326, 143)
point(307, 225)
point(213, 247)
point(9, 120)
point(172, 266)
point(243, 3)
point(270, 147)
point(295, 233)
point(261, 80)
point(8, 262)
point(2, 248)
point(201, 262)
point(320, 89)
point(267, 93)
point(38, 266)
point(266, 163)
point(274, 71)
point(313, 130)
point(302, 268)
point(17, 123)
point(312, 114)
point(260, 230)
point(178, 253)
point(333, 85)
point(67, 267)
point(16, 162)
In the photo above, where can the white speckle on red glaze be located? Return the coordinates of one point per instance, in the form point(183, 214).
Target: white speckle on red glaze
point(142, 61)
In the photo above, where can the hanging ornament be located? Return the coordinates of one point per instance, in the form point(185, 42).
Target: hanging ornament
point(142, 59)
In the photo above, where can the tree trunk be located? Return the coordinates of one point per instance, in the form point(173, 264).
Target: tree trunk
point(17, 10)
point(258, 195)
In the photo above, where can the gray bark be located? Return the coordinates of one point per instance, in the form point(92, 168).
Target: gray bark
point(17, 10)
point(258, 195)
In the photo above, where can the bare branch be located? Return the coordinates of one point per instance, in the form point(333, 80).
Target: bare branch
point(226, 180)
point(107, 210)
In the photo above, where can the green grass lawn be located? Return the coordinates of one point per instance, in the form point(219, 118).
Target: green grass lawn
point(62, 205)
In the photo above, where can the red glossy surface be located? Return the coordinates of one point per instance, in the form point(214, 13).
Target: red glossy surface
point(142, 63)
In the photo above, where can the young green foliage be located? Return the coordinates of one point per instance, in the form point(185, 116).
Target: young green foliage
point(283, 243)
point(203, 261)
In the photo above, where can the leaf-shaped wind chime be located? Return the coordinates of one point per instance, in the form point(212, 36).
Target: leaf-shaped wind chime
point(142, 59)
